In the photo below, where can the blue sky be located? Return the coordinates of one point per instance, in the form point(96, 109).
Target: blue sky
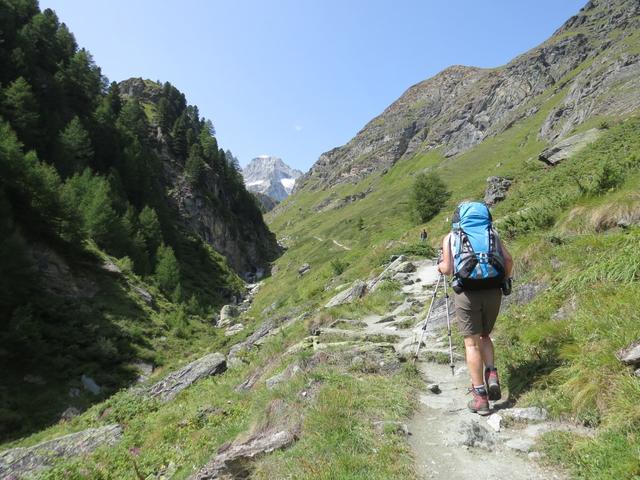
point(295, 78)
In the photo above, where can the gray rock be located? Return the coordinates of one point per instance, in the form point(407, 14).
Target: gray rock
point(304, 269)
point(569, 146)
point(233, 459)
point(167, 388)
point(350, 295)
point(523, 293)
point(286, 374)
point(637, 373)
point(631, 354)
point(227, 314)
point(144, 370)
point(497, 188)
point(233, 329)
point(90, 385)
point(475, 435)
point(111, 267)
point(69, 413)
point(74, 392)
point(523, 445)
point(494, 421)
point(145, 295)
point(406, 267)
point(23, 462)
point(434, 388)
point(534, 414)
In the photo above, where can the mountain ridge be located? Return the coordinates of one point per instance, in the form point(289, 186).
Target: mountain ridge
point(463, 105)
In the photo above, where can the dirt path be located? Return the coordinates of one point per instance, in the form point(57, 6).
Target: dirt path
point(335, 242)
point(447, 440)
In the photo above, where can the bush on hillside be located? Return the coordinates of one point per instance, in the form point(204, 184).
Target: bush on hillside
point(428, 195)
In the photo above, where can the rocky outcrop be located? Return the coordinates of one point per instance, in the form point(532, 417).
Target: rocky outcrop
point(169, 387)
point(209, 209)
point(350, 295)
point(497, 188)
point(567, 147)
point(233, 460)
point(462, 106)
point(25, 462)
point(228, 314)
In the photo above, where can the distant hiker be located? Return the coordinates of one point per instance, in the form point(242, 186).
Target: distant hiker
point(481, 266)
point(423, 235)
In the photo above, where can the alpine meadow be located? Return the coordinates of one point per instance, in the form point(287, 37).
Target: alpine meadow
point(161, 320)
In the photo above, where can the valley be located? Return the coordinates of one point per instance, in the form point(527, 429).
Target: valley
point(307, 371)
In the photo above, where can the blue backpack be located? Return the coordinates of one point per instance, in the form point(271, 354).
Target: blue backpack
point(478, 263)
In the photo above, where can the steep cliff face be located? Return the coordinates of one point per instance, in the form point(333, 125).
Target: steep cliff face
point(592, 61)
point(208, 208)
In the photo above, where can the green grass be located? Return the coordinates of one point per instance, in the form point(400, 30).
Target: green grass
point(567, 214)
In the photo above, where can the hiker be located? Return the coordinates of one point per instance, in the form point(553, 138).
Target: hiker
point(481, 266)
point(423, 235)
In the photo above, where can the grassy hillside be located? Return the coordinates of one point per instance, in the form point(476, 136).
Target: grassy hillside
point(562, 225)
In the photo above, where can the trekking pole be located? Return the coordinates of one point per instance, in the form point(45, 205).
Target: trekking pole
point(426, 320)
point(446, 299)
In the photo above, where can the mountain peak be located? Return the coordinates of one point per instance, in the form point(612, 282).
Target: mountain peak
point(270, 176)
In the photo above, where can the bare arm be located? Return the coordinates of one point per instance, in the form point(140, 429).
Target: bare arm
point(508, 260)
point(446, 265)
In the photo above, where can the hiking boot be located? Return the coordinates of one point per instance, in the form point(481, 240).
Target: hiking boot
point(493, 384)
point(479, 404)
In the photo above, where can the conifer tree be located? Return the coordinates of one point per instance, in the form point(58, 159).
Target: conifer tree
point(74, 148)
point(167, 272)
point(150, 229)
point(20, 107)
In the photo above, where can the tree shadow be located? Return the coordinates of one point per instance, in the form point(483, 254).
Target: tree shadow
point(95, 331)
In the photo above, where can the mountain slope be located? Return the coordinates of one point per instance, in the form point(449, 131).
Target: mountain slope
point(270, 176)
point(123, 226)
point(591, 56)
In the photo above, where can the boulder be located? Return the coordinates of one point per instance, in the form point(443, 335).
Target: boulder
point(144, 370)
point(406, 267)
point(90, 385)
point(496, 191)
point(475, 435)
point(233, 459)
point(233, 329)
point(28, 462)
point(567, 147)
point(631, 354)
point(350, 295)
point(304, 269)
point(227, 314)
point(523, 293)
point(69, 413)
point(167, 388)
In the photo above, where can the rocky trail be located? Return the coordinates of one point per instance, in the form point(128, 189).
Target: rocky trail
point(447, 440)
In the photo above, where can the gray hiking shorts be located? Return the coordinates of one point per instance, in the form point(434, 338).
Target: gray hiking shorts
point(476, 311)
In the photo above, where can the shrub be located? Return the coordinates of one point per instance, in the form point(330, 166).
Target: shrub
point(428, 195)
point(338, 266)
